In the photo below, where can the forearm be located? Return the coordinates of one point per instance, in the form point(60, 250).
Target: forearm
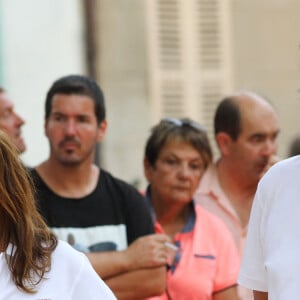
point(227, 294)
point(139, 284)
point(260, 295)
point(108, 264)
point(145, 252)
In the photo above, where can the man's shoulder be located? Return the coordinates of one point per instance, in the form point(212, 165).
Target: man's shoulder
point(107, 178)
point(35, 177)
point(118, 188)
point(209, 183)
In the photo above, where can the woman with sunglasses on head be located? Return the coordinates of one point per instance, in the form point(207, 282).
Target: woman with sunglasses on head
point(205, 262)
point(33, 264)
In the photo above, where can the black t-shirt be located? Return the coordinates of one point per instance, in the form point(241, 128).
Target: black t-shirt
point(109, 218)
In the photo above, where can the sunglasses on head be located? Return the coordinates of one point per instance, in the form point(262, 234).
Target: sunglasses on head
point(184, 122)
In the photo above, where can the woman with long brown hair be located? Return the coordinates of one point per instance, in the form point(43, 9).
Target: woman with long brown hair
point(32, 261)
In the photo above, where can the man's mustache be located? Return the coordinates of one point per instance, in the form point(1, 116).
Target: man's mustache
point(69, 140)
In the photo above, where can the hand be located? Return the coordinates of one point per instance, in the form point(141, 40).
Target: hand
point(148, 251)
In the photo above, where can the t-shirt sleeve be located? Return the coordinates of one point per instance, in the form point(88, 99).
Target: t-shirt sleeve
point(88, 285)
point(138, 218)
point(253, 273)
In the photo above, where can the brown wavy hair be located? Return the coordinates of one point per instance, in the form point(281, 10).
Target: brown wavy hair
point(21, 226)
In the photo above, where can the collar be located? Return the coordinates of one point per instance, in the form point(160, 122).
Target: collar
point(210, 183)
point(210, 186)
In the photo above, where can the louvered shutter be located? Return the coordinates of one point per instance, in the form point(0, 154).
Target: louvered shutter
point(189, 57)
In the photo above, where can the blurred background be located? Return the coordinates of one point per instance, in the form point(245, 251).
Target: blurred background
point(153, 59)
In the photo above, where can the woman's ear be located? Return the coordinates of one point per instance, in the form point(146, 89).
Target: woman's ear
point(224, 142)
point(147, 169)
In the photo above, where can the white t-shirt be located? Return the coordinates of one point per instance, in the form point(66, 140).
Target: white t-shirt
point(272, 254)
point(71, 278)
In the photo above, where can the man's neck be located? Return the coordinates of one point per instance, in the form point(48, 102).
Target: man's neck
point(69, 181)
point(239, 191)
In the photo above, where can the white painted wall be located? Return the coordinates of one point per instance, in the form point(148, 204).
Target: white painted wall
point(41, 41)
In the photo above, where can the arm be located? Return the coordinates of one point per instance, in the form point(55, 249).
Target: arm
point(86, 284)
point(138, 284)
point(228, 294)
point(260, 295)
point(253, 274)
point(139, 271)
point(146, 252)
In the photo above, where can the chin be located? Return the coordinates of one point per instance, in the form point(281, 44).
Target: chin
point(184, 200)
point(70, 162)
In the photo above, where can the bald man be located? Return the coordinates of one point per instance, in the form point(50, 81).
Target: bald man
point(10, 121)
point(246, 130)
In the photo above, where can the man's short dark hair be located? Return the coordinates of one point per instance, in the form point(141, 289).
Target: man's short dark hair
point(228, 118)
point(79, 85)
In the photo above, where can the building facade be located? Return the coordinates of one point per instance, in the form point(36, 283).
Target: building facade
point(153, 59)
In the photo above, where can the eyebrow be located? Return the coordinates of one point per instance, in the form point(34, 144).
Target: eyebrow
point(261, 134)
point(64, 114)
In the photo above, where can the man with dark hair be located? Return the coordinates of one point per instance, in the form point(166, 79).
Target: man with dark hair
point(246, 130)
point(85, 205)
point(228, 118)
point(10, 121)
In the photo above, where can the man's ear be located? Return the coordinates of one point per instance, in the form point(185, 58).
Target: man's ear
point(101, 130)
point(224, 142)
point(45, 127)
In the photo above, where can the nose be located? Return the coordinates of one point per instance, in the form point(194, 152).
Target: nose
point(184, 170)
point(70, 128)
point(270, 147)
point(19, 120)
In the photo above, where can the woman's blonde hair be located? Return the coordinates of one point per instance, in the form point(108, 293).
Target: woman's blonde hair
point(21, 226)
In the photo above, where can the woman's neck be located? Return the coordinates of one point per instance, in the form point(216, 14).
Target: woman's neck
point(171, 217)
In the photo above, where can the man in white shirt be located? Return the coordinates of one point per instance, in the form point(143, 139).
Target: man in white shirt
point(270, 265)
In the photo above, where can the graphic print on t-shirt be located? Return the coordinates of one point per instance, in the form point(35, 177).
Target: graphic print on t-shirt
point(94, 239)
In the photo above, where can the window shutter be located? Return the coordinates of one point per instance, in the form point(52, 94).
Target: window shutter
point(166, 65)
point(189, 57)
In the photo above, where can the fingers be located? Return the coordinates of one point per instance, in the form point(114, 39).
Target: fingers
point(159, 237)
point(162, 249)
point(149, 251)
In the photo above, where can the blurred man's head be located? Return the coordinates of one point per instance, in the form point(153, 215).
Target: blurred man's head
point(74, 119)
point(10, 121)
point(246, 130)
